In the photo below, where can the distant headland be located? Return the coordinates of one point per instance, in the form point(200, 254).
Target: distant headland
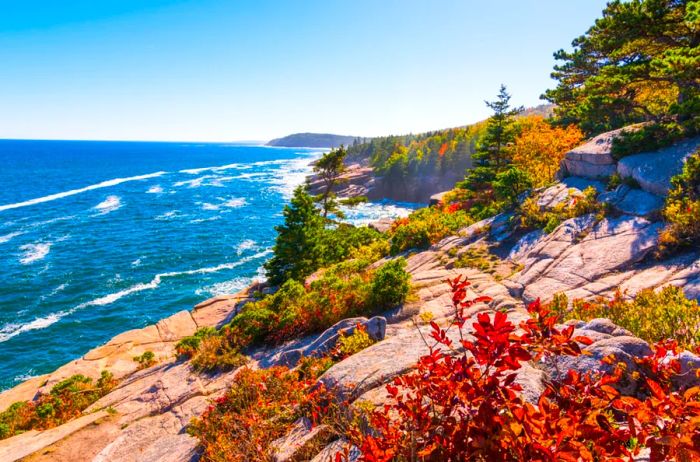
point(312, 140)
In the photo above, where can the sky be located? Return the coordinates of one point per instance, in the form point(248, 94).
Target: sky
point(227, 70)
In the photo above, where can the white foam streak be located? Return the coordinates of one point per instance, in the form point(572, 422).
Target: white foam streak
point(10, 330)
point(104, 184)
point(110, 204)
point(157, 189)
point(34, 252)
point(9, 237)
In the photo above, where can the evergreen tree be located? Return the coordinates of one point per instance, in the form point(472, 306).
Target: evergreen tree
point(297, 251)
point(329, 168)
point(639, 62)
point(492, 155)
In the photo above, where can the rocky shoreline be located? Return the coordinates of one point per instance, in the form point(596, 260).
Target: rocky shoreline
point(145, 417)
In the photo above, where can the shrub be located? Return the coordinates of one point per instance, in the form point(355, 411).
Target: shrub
point(425, 227)
point(348, 345)
point(467, 406)
point(217, 353)
point(682, 209)
point(146, 360)
point(259, 407)
point(390, 284)
point(187, 346)
point(652, 315)
point(650, 137)
point(532, 217)
point(66, 401)
point(511, 183)
point(346, 289)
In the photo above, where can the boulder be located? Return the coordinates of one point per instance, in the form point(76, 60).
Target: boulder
point(653, 171)
point(324, 343)
point(301, 435)
point(633, 201)
point(382, 225)
point(436, 199)
point(594, 158)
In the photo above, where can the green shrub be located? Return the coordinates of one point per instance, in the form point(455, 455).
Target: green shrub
point(647, 138)
point(651, 315)
point(682, 209)
point(146, 360)
point(66, 400)
point(187, 346)
point(532, 217)
point(425, 227)
point(218, 353)
point(348, 345)
point(390, 284)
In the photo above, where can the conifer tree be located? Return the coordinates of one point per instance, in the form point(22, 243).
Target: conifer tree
point(639, 62)
point(297, 249)
point(492, 155)
point(329, 168)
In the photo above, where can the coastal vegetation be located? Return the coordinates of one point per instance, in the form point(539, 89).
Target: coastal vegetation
point(651, 315)
point(682, 209)
point(638, 63)
point(65, 401)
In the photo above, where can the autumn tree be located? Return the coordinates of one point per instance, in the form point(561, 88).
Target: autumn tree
point(639, 62)
point(540, 147)
point(329, 169)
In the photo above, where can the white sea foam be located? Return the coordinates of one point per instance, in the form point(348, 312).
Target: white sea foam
point(10, 330)
point(54, 291)
point(104, 184)
point(292, 173)
point(247, 244)
point(136, 263)
point(235, 202)
point(110, 204)
point(202, 220)
point(9, 237)
point(217, 168)
point(210, 206)
point(157, 189)
point(363, 214)
point(225, 287)
point(167, 216)
point(34, 252)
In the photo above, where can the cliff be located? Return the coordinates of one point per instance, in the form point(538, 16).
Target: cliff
point(312, 140)
point(146, 416)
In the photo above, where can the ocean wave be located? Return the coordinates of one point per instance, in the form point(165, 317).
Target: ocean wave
point(247, 244)
point(363, 214)
point(202, 220)
point(167, 216)
point(9, 237)
point(217, 168)
point(11, 330)
point(225, 287)
point(51, 221)
point(110, 204)
point(291, 174)
point(233, 203)
point(54, 291)
point(34, 252)
point(206, 180)
point(157, 189)
point(103, 184)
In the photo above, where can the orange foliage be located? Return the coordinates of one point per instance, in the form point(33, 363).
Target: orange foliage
point(442, 150)
point(539, 148)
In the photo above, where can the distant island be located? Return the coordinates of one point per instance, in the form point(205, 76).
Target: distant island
point(312, 140)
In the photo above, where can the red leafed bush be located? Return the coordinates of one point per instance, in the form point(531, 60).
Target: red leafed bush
point(467, 406)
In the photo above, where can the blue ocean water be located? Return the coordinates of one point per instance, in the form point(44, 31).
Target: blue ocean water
point(101, 237)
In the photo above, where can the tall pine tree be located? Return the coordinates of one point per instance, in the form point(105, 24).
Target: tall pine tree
point(493, 154)
point(639, 62)
point(297, 250)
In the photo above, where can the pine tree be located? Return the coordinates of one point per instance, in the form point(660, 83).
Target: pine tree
point(297, 250)
point(492, 155)
point(639, 62)
point(329, 168)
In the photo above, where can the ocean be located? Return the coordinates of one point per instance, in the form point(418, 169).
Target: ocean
point(97, 238)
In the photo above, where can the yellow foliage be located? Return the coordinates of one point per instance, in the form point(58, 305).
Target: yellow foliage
point(539, 148)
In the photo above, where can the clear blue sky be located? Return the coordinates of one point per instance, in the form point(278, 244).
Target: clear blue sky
point(253, 70)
